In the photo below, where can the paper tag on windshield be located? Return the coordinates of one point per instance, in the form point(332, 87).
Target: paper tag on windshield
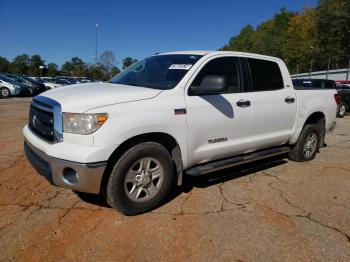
point(180, 66)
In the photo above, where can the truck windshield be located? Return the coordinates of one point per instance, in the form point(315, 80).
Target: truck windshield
point(159, 71)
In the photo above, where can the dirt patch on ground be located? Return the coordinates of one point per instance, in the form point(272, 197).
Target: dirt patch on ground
point(273, 210)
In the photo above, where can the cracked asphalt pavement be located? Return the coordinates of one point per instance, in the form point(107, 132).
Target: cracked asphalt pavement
point(273, 210)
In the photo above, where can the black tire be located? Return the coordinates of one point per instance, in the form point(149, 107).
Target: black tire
point(299, 151)
point(116, 191)
point(5, 92)
point(342, 110)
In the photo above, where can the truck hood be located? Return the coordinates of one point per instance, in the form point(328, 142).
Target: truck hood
point(82, 97)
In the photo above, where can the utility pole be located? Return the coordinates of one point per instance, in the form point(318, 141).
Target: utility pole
point(311, 49)
point(347, 71)
point(297, 70)
point(96, 31)
point(41, 67)
point(329, 61)
point(310, 70)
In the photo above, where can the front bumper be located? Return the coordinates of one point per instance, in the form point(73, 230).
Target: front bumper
point(83, 177)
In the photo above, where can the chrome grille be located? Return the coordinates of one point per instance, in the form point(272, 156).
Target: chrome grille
point(45, 119)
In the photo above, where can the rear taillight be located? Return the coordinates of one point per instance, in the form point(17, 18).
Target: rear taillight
point(337, 99)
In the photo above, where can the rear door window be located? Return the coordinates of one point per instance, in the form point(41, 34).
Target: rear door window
point(329, 85)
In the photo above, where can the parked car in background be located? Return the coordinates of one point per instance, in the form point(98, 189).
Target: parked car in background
point(313, 83)
point(304, 84)
point(35, 85)
point(18, 79)
point(344, 106)
point(71, 80)
point(39, 87)
point(85, 79)
point(67, 79)
point(9, 87)
point(55, 80)
point(47, 83)
point(343, 83)
point(78, 79)
point(61, 81)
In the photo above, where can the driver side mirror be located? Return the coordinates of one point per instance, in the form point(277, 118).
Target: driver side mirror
point(210, 85)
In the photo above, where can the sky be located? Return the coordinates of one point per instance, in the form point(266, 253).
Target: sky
point(59, 30)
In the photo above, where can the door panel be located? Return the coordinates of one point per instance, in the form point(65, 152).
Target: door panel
point(217, 127)
point(273, 105)
point(272, 118)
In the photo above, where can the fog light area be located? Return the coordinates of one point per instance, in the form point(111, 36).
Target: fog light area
point(70, 175)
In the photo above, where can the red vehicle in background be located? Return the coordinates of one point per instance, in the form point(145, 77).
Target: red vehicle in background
point(343, 82)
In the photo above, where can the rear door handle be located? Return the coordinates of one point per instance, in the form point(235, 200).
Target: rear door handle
point(243, 103)
point(289, 100)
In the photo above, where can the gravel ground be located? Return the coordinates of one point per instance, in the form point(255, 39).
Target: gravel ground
point(274, 210)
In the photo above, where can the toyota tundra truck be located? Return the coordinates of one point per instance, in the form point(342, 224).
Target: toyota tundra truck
point(173, 114)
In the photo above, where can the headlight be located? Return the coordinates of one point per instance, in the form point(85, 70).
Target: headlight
point(83, 124)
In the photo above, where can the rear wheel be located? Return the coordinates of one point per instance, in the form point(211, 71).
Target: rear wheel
point(342, 110)
point(141, 179)
point(5, 92)
point(310, 139)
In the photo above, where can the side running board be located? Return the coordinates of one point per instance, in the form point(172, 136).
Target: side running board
point(234, 161)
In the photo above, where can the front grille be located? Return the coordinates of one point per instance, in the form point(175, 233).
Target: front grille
point(41, 120)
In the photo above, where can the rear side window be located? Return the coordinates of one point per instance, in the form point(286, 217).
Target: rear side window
point(316, 84)
point(223, 66)
point(329, 85)
point(266, 75)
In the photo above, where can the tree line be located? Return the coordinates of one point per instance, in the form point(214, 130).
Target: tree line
point(314, 39)
point(34, 65)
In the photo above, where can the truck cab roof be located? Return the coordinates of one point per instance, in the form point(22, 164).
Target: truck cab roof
point(212, 52)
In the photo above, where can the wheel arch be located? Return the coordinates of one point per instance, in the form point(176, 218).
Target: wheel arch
point(166, 140)
point(313, 118)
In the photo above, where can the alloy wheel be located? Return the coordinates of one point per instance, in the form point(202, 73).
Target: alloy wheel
point(342, 110)
point(310, 145)
point(144, 179)
point(5, 92)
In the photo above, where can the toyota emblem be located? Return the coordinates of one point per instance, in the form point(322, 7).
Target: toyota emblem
point(34, 120)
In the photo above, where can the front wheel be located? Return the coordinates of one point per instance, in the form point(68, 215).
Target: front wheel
point(141, 179)
point(5, 92)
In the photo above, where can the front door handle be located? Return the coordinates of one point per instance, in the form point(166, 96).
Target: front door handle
point(289, 100)
point(243, 103)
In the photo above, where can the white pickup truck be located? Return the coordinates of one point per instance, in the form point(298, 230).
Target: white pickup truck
point(173, 114)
